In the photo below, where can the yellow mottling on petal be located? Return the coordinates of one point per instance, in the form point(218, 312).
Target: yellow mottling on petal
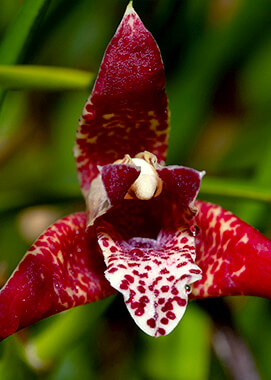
point(92, 140)
point(154, 123)
point(60, 257)
point(238, 272)
point(108, 116)
point(244, 239)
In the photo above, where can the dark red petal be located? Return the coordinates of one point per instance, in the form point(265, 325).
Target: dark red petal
point(117, 179)
point(61, 270)
point(182, 182)
point(151, 274)
point(127, 111)
point(108, 189)
point(234, 257)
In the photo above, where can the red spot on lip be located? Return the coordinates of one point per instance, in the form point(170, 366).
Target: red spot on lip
point(112, 259)
point(171, 315)
point(180, 301)
point(144, 300)
point(175, 291)
point(122, 266)
point(161, 301)
point(151, 322)
point(137, 252)
point(105, 243)
point(113, 249)
point(196, 271)
point(113, 270)
point(157, 262)
point(141, 289)
point(165, 288)
point(168, 306)
point(139, 312)
point(161, 331)
point(129, 278)
point(124, 285)
point(182, 264)
point(164, 321)
point(144, 275)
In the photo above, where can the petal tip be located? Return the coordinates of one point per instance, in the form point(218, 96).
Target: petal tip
point(129, 9)
point(202, 174)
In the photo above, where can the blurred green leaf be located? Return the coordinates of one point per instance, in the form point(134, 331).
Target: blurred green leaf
point(64, 331)
point(21, 30)
point(227, 187)
point(14, 108)
point(255, 214)
point(12, 364)
point(182, 355)
point(209, 57)
point(256, 77)
point(64, 120)
point(252, 133)
point(75, 363)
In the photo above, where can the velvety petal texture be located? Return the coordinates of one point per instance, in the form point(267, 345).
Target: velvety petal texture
point(127, 111)
point(234, 257)
point(61, 270)
point(152, 275)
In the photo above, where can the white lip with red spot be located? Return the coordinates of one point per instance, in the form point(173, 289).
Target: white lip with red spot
point(152, 275)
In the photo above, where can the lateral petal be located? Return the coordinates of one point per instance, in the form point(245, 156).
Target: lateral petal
point(182, 186)
point(234, 257)
point(62, 269)
point(128, 109)
point(108, 189)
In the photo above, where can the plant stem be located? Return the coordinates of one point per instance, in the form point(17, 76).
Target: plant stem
point(44, 77)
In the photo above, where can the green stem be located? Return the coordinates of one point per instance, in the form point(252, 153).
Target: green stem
point(235, 189)
point(44, 77)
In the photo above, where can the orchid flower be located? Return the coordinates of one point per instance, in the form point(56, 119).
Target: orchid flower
point(143, 234)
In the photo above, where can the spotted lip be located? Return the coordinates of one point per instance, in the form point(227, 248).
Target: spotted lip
point(152, 279)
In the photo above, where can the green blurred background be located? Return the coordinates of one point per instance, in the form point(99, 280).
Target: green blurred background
point(217, 57)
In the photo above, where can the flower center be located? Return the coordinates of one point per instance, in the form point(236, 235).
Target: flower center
point(148, 184)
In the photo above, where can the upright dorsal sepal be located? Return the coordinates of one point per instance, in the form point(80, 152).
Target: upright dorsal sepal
point(127, 111)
